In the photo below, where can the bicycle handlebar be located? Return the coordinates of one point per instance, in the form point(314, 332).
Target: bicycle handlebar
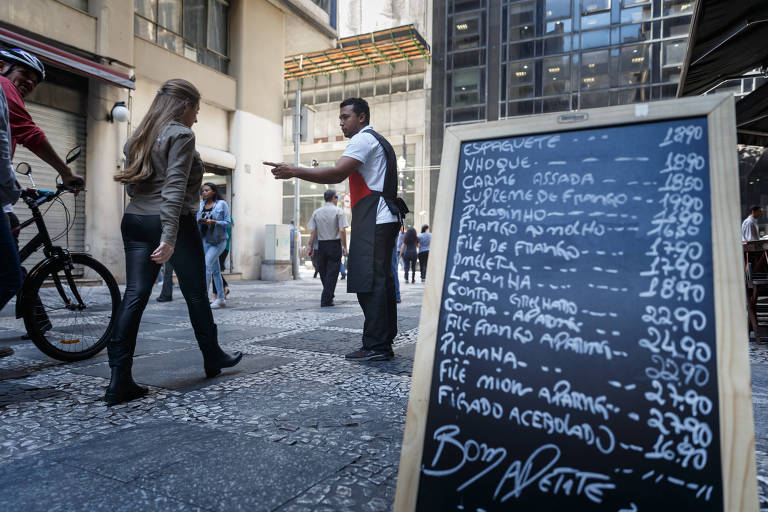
point(40, 196)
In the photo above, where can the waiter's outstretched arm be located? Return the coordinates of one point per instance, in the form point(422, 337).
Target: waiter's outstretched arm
point(336, 174)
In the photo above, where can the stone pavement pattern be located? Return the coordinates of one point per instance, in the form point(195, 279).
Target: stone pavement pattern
point(294, 427)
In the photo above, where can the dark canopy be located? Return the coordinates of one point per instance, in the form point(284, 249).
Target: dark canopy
point(728, 39)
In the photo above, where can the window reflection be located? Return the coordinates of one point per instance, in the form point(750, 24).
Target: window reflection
point(635, 65)
point(674, 52)
point(467, 32)
point(595, 70)
point(589, 6)
point(595, 38)
point(556, 75)
point(466, 87)
point(554, 9)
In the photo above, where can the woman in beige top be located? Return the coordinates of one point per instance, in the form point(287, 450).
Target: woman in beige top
point(162, 174)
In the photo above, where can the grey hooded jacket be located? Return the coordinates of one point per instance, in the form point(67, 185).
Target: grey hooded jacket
point(9, 187)
point(173, 188)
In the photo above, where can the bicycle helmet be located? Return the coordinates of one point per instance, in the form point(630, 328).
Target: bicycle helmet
point(26, 59)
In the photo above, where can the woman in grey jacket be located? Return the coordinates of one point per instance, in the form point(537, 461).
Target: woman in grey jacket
point(163, 173)
point(213, 219)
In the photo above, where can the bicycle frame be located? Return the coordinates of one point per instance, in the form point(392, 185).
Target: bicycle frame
point(52, 253)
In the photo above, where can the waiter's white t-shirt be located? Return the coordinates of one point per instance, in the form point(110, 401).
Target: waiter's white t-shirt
point(364, 148)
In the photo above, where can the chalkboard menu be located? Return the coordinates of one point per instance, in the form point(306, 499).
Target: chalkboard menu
point(575, 363)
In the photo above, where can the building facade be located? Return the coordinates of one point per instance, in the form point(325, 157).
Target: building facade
point(100, 52)
point(390, 69)
point(497, 59)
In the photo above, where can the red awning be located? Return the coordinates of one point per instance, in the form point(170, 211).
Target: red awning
point(67, 60)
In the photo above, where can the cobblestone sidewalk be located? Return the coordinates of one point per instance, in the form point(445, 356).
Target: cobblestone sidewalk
point(294, 427)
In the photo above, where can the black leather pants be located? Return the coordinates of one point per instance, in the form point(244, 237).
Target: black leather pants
point(141, 236)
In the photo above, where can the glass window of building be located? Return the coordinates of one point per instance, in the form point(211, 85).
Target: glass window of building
point(595, 39)
point(590, 6)
point(673, 7)
point(467, 31)
point(595, 70)
point(601, 19)
point(465, 88)
point(556, 75)
point(635, 65)
point(637, 14)
point(521, 80)
point(556, 9)
point(196, 29)
point(674, 52)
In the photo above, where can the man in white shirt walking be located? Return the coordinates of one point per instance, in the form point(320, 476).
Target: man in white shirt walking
point(370, 163)
point(749, 231)
point(328, 224)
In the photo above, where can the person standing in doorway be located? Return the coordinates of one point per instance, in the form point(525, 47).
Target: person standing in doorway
point(163, 173)
point(213, 218)
point(328, 224)
point(425, 237)
point(749, 231)
point(409, 251)
point(371, 166)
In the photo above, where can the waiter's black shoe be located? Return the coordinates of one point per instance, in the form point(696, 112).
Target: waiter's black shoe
point(370, 355)
point(163, 299)
point(6, 351)
point(329, 305)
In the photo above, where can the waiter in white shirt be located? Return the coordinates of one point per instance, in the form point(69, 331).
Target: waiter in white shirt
point(749, 231)
point(370, 163)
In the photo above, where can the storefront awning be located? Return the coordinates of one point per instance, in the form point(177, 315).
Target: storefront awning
point(727, 42)
point(216, 157)
point(67, 60)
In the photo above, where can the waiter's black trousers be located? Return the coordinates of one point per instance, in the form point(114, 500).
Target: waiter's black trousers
point(329, 263)
point(379, 306)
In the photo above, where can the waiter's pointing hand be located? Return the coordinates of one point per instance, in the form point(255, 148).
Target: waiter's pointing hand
point(281, 171)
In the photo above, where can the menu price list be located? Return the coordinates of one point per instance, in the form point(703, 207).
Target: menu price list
point(575, 361)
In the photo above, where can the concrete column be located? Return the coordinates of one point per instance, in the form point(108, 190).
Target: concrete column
point(104, 206)
point(257, 36)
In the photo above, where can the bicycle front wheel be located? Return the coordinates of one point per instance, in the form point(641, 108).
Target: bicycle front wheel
point(69, 308)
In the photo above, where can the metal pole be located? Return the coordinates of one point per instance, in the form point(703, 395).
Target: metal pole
point(296, 141)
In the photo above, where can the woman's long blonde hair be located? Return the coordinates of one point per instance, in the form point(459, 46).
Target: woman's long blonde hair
point(168, 105)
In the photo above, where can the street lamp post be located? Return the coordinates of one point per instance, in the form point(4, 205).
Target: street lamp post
point(296, 210)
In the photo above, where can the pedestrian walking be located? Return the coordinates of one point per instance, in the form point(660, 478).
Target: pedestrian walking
point(223, 262)
point(163, 173)
point(166, 292)
point(370, 163)
point(213, 220)
point(409, 252)
point(425, 237)
point(328, 224)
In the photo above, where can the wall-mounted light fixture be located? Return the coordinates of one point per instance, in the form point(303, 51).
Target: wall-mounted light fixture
point(119, 113)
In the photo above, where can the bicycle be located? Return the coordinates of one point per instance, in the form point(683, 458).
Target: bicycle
point(66, 320)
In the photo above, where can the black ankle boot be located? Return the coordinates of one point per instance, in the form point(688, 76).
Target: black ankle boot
point(214, 359)
point(122, 388)
point(223, 360)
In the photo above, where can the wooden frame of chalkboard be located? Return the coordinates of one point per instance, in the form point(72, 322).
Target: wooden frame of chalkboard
point(680, 124)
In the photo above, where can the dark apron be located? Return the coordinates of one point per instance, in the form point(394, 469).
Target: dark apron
point(361, 245)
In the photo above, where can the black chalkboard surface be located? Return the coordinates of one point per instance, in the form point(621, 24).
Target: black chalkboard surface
point(575, 360)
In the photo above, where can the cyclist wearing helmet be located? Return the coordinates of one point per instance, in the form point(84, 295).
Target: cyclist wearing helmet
point(20, 72)
point(10, 270)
